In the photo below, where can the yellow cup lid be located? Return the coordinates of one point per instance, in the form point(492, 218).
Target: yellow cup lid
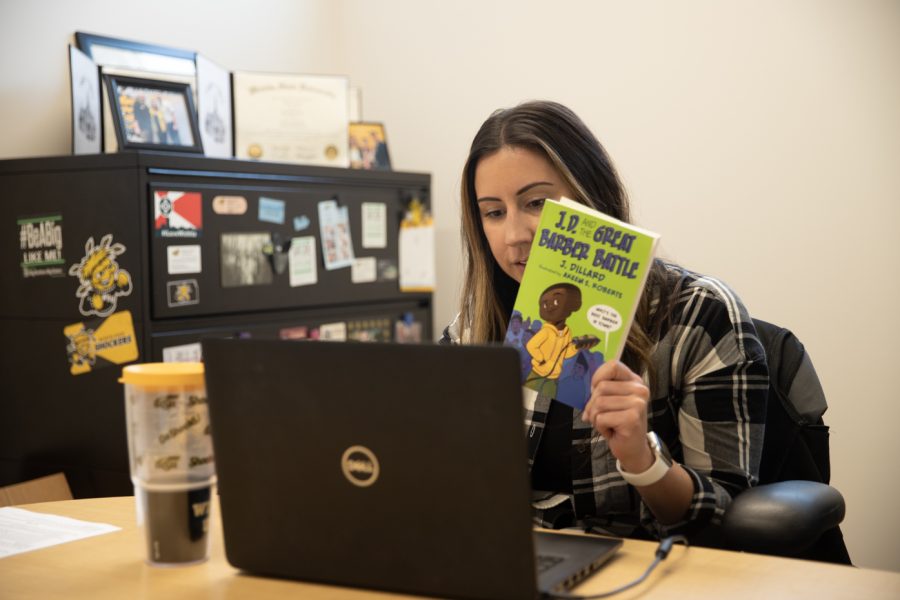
point(164, 374)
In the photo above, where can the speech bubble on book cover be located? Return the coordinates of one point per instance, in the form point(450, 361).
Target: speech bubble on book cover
point(606, 319)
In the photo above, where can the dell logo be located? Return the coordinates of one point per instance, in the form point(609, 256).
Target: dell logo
point(360, 466)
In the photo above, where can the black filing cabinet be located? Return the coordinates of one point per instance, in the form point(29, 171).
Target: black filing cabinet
point(134, 257)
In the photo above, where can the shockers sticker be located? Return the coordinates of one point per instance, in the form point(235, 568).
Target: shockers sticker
point(101, 343)
point(101, 280)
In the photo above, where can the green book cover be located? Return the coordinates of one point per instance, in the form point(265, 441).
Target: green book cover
point(580, 290)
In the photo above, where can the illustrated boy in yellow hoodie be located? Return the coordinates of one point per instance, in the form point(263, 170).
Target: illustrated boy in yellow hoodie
point(550, 346)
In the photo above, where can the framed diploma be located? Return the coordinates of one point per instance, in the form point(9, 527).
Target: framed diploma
point(291, 118)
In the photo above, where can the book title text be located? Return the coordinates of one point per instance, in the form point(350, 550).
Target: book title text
point(607, 253)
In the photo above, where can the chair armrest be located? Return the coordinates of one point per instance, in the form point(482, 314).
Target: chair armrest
point(784, 518)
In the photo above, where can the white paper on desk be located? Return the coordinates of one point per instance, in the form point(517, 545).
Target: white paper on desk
point(23, 530)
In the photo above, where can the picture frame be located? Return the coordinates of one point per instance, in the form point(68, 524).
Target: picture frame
point(117, 56)
point(151, 114)
point(214, 113)
point(368, 146)
point(291, 117)
point(137, 56)
point(87, 119)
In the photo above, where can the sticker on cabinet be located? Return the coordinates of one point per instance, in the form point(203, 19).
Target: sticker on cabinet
point(101, 343)
point(41, 244)
point(177, 214)
point(101, 280)
point(182, 260)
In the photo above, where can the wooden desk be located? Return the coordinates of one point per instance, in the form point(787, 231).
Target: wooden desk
point(112, 566)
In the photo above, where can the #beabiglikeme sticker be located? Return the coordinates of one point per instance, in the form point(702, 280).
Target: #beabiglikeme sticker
point(40, 240)
point(177, 214)
point(101, 343)
point(101, 280)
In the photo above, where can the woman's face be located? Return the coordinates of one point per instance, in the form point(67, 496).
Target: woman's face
point(510, 188)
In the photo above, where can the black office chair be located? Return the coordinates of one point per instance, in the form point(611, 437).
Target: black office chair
point(794, 518)
point(793, 512)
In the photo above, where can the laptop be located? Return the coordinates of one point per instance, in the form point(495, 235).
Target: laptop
point(386, 466)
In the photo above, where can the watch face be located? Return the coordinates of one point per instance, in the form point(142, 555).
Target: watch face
point(659, 449)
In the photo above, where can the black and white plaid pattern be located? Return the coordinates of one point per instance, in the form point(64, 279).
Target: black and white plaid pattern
point(708, 406)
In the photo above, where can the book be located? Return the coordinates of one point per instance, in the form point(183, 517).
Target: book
point(577, 299)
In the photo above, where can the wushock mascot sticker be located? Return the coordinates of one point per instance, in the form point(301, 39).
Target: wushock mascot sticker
point(101, 343)
point(101, 279)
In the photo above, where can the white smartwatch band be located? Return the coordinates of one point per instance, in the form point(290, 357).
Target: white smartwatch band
point(657, 470)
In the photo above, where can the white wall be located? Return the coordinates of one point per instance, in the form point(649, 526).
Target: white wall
point(760, 138)
point(749, 133)
point(293, 36)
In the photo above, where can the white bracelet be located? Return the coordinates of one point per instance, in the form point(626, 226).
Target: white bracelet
point(657, 470)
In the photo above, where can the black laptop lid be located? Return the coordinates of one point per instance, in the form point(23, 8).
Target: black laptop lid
point(298, 428)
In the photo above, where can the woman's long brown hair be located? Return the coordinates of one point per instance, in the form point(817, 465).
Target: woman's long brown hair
point(557, 133)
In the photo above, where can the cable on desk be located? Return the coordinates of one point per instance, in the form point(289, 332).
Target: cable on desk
point(665, 546)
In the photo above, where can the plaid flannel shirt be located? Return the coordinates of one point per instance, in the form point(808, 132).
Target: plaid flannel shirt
point(708, 407)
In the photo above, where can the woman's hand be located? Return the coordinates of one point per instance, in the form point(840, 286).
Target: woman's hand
point(617, 409)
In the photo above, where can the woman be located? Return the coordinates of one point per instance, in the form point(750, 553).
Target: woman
point(693, 372)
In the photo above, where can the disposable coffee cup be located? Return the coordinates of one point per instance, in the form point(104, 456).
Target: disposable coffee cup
point(171, 459)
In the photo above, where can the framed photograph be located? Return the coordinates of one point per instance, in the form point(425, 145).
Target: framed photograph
point(368, 147)
point(87, 124)
point(152, 114)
